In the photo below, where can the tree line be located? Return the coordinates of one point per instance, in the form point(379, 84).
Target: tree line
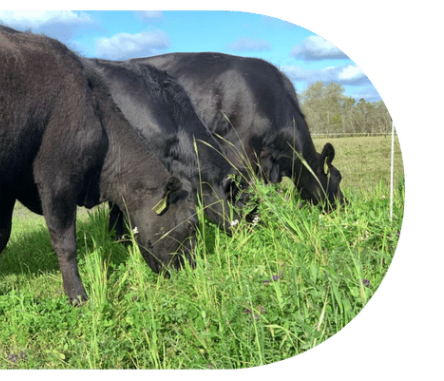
point(329, 111)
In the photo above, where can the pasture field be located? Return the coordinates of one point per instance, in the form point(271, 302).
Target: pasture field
point(364, 161)
point(269, 292)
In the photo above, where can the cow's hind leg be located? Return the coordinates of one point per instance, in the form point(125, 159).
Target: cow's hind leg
point(6, 207)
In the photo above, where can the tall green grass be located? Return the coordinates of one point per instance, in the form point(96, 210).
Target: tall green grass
point(269, 292)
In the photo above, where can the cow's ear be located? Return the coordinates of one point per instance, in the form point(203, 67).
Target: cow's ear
point(328, 154)
point(234, 178)
point(274, 175)
point(234, 185)
point(172, 187)
point(175, 191)
point(271, 170)
point(227, 182)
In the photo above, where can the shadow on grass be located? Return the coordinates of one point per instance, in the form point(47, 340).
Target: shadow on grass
point(31, 252)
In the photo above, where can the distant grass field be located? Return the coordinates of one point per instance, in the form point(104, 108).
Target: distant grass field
point(364, 161)
point(270, 292)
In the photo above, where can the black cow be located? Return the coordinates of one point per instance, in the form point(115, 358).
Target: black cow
point(157, 106)
point(64, 142)
point(253, 108)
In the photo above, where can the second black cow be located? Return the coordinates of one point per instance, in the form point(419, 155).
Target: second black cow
point(158, 107)
point(253, 109)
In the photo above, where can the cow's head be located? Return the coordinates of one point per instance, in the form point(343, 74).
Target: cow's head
point(219, 198)
point(325, 186)
point(166, 226)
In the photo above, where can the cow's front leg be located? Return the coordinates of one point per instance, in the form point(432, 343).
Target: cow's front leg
point(60, 216)
point(116, 220)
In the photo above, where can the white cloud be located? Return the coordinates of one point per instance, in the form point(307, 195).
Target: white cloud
point(350, 73)
point(36, 19)
point(296, 73)
point(124, 45)
point(345, 75)
point(315, 48)
point(245, 44)
point(149, 15)
point(61, 25)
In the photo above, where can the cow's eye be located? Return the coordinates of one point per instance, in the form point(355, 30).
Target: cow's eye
point(191, 227)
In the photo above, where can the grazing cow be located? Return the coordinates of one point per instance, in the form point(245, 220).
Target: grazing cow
point(253, 108)
point(156, 105)
point(63, 142)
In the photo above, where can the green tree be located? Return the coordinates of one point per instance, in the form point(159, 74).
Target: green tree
point(328, 110)
point(322, 104)
point(346, 113)
point(311, 104)
point(383, 120)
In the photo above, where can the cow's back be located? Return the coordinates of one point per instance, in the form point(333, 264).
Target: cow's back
point(227, 80)
point(248, 102)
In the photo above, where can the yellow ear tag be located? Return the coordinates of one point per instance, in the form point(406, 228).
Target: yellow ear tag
point(326, 169)
point(161, 205)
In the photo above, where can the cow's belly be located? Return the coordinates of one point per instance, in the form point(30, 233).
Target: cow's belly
point(28, 195)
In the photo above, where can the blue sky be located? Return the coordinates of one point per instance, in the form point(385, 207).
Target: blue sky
point(304, 56)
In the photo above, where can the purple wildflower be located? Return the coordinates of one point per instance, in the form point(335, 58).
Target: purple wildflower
point(366, 282)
